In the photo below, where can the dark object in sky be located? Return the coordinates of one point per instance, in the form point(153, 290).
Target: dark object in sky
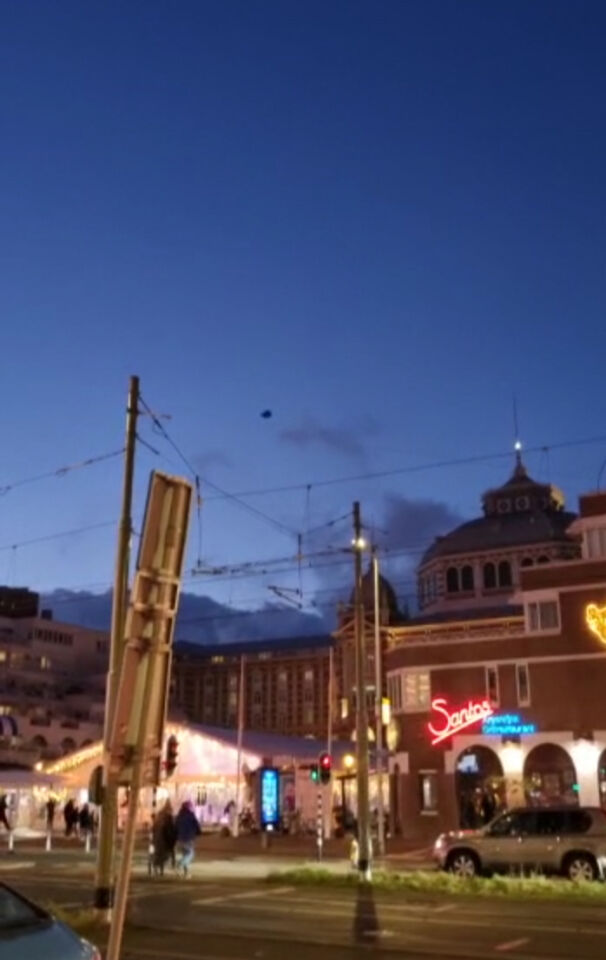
point(266, 414)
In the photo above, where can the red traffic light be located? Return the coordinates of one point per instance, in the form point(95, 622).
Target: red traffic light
point(325, 764)
point(172, 754)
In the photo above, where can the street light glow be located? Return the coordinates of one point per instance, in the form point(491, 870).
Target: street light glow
point(359, 543)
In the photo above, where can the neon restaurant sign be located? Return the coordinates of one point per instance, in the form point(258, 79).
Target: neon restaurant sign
point(451, 722)
point(595, 618)
point(507, 725)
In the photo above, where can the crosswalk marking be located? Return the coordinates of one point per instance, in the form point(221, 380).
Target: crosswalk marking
point(245, 895)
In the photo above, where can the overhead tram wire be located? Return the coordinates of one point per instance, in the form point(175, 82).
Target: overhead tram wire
point(221, 493)
point(416, 468)
point(60, 471)
point(59, 535)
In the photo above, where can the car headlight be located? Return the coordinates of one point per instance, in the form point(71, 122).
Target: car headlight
point(440, 842)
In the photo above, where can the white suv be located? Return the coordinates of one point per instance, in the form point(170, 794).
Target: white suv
point(566, 840)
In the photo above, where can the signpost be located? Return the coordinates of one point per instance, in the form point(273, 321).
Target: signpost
point(135, 753)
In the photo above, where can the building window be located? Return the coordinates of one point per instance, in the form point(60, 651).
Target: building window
point(394, 690)
point(522, 503)
point(523, 684)
point(2, 656)
point(490, 576)
point(344, 708)
point(467, 577)
point(543, 559)
point(417, 691)
point(596, 543)
point(543, 616)
point(504, 573)
point(428, 791)
point(492, 686)
point(527, 562)
point(452, 580)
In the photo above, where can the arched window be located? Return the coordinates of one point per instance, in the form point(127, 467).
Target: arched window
point(490, 576)
point(452, 580)
point(527, 562)
point(543, 559)
point(39, 742)
point(68, 745)
point(504, 573)
point(467, 577)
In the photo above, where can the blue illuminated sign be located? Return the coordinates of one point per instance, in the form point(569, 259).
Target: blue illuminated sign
point(507, 725)
point(270, 797)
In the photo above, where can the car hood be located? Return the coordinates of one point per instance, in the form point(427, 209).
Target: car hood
point(49, 941)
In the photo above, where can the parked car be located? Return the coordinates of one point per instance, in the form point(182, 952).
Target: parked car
point(568, 840)
point(27, 932)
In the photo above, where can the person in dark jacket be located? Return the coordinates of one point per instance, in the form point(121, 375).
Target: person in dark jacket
point(187, 829)
point(85, 819)
point(164, 834)
point(4, 812)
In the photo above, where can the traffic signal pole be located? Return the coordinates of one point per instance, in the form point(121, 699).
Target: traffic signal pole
point(361, 705)
point(378, 707)
point(103, 897)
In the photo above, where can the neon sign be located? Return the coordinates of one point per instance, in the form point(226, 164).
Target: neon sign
point(595, 618)
point(507, 725)
point(473, 712)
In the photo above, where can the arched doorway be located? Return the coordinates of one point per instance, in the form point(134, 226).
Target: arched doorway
point(480, 786)
point(550, 779)
point(602, 779)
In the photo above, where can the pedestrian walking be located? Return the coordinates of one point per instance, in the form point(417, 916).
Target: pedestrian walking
point(70, 816)
point(50, 808)
point(4, 812)
point(164, 835)
point(187, 829)
point(85, 820)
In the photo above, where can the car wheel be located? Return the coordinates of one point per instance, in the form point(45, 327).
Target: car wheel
point(463, 864)
point(581, 868)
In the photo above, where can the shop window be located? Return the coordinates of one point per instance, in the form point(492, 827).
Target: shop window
point(492, 686)
point(417, 691)
point(490, 576)
point(504, 573)
point(523, 684)
point(543, 616)
point(467, 577)
point(452, 580)
point(428, 791)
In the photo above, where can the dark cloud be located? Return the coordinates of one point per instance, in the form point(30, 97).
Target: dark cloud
point(345, 440)
point(212, 458)
point(201, 619)
point(412, 525)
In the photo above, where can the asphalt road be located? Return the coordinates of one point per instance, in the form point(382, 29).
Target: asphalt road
point(173, 919)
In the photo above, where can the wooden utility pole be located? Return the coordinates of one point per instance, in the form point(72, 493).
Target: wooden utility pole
point(361, 704)
point(104, 880)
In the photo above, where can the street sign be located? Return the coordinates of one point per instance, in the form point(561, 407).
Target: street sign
point(145, 676)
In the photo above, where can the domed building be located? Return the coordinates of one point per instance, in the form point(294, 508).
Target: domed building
point(478, 564)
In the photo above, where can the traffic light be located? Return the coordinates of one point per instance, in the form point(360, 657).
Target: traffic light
point(314, 773)
point(325, 764)
point(172, 755)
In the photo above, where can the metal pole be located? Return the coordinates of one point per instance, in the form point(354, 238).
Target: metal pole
point(361, 705)
point(239, 745)
point(331, 687)
point(103, 898)
point(378, 707)
point(319, 824)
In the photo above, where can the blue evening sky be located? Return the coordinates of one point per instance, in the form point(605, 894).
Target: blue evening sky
point(380, 220)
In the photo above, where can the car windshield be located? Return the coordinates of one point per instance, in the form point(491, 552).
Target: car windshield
point(15, 912)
